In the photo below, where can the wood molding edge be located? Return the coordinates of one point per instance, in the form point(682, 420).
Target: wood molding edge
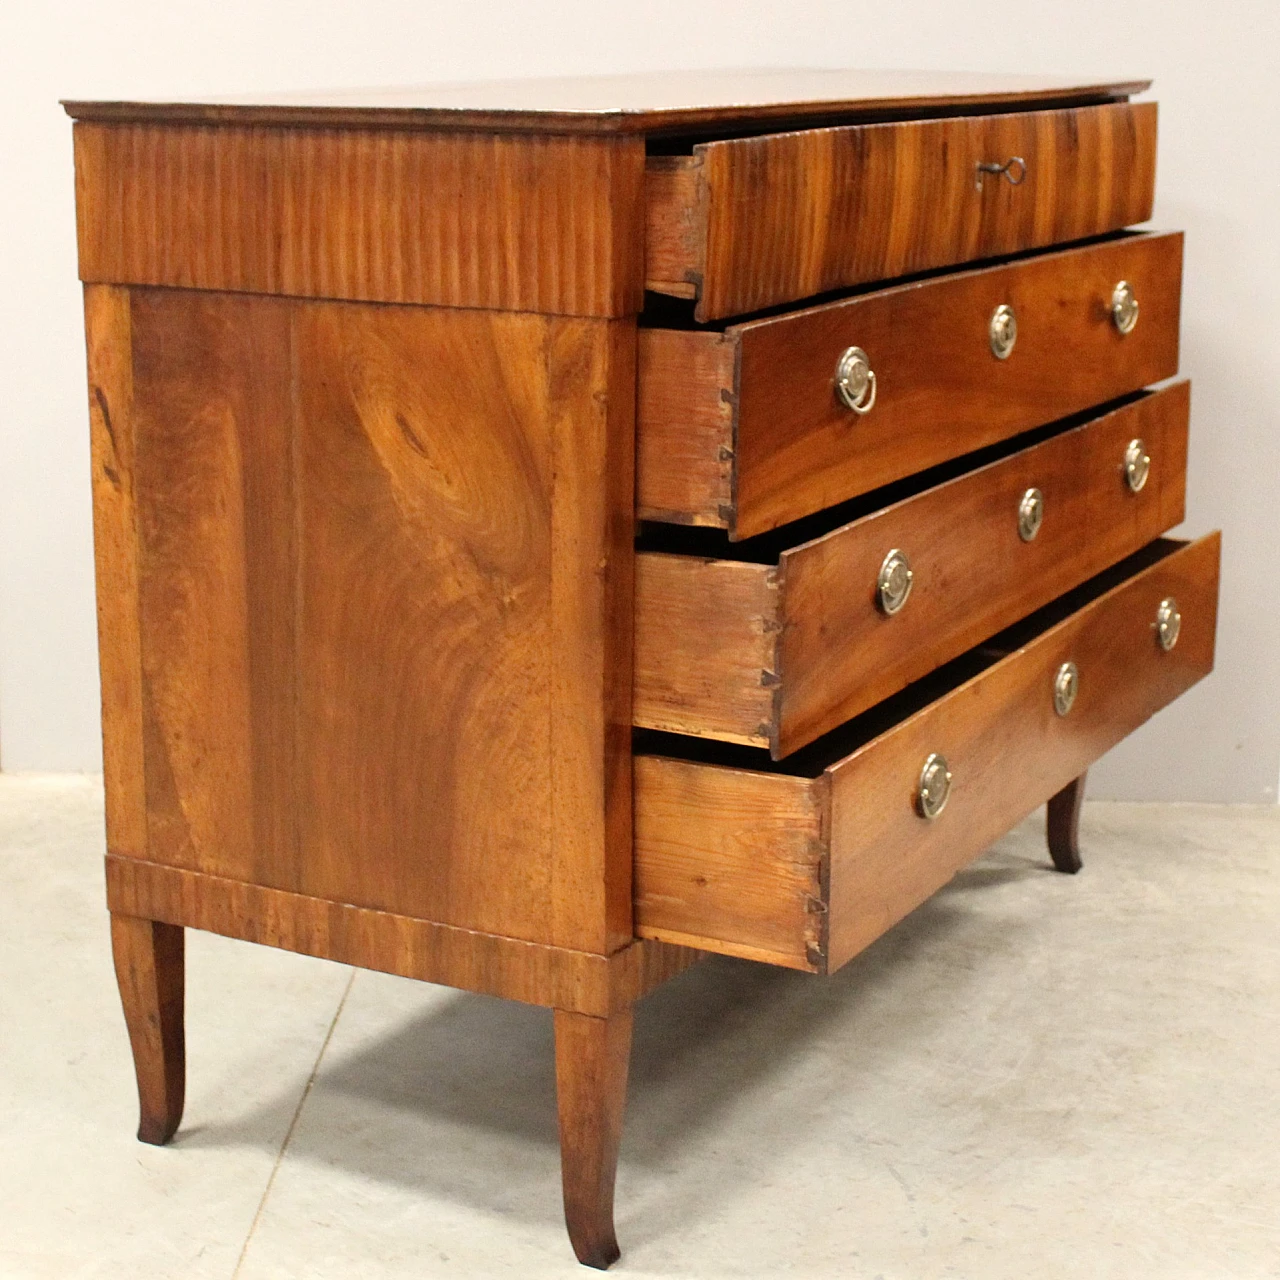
point(531, 972)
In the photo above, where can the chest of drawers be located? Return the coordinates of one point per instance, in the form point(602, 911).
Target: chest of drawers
point(549, 532)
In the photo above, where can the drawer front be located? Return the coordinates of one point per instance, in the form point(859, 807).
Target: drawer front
point(775, 655)
point(744, 430)
point(806, 871)
point(749, 223)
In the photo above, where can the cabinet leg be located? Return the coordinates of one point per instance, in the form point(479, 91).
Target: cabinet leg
point(1064, 826)
point(149, 969)
point(592, 1057)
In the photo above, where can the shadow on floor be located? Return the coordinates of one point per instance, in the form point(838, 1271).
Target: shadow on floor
point(477, 1073)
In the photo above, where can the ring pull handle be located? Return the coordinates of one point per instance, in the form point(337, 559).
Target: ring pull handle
point(1013, 171)
point(1002, 330)
point(1137, 464)
point(1030, 514)
point(1066, 685)
point(933, 790)
point(856, 381)
point(1124, 307)
point(893, 583)
point(1168, 624)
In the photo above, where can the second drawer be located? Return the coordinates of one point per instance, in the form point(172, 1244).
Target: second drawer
point(745, 429)
point(776, 651)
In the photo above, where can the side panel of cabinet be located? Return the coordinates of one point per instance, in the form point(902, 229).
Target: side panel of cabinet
point(382, 579)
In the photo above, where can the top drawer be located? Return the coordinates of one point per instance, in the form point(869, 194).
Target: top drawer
point(748, 223)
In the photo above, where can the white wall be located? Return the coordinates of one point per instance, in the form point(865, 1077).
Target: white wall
point(1219, 179)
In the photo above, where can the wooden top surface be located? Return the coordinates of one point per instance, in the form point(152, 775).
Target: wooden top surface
point(652, 102)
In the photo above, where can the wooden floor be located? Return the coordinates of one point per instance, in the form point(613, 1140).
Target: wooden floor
point(1034, 1074)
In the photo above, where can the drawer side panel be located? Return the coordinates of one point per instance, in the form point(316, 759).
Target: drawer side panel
point(730, 861)
point(706, 647)
point(675, 225)
point(684, 427)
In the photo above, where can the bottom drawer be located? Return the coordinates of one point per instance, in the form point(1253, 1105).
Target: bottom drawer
point(806, 861)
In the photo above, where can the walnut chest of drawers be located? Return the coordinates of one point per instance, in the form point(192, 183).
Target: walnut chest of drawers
point(549, 532)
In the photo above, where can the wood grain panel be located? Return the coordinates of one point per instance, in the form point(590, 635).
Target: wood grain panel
point(549, 224)
point(776, 654)
point(425, 630)
point(684, 426)
point(385, 598)
point(464, 505)
point(108, 332)
point(706, 639)
point(940, 392)
point(729, 856)
point(732, 858)
point(1007, 748)
point(214, 496)
point(790, 215)
point(534, 973)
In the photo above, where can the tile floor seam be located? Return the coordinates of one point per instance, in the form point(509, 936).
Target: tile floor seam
point(293, 1124)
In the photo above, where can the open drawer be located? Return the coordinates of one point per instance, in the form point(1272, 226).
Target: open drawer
point(744, 428)
point(777, 650)
point(746, 223)
point(803, 863)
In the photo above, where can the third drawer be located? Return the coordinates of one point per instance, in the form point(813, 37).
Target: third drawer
point(777, 650)
point(743, 428)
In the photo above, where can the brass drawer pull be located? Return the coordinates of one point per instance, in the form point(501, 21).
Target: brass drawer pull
point(856, 380)
point(1013, 171)
point(1124, 307)
point(1030, 514)
point(1002, 332)
point(1168, 623)
point(1066, 684)
point(1137, 464)
point(893, 584)
point(934, 788)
